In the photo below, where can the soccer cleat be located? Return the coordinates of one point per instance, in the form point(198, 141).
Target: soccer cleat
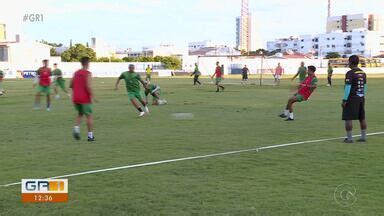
point(146, 109)
point(76, 135)
point(91, 139)
point(141, 114)
point(290, 119)
point(282, 115)
point(361, 140)
point(346, 140)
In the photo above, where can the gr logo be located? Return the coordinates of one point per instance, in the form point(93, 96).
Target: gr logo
point(44, 190)
point(44, 186)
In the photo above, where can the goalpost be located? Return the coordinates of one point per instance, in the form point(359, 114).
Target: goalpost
point(266, 73)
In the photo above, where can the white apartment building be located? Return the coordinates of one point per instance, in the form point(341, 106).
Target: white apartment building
point(356, 42)
point(193, 46)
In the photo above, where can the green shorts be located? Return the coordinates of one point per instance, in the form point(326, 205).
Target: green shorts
point(84, 109)
point(299, 97)
point(218, 80)
point(60, 83)
point(133, 95)
point(148, 77)
point(44, 89)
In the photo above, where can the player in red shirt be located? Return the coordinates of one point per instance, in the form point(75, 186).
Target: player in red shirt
point(82, 98)
point(43, 81)
point(278, 73)
point(219, 76)
point(306, 88)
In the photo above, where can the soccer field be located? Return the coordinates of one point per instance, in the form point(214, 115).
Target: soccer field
point(293, 180)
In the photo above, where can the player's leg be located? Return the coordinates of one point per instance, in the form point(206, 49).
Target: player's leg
point(133, 98)
point(363, 123)
point(138, 107)
point(143, 102)
point(348, 129)
point(62, 86)
point(76, 127)
point(48, 92)
point(288, 111)
point(197, 79)
point(89, 116)
point(55, 90)
point(291, 101)
point(37, 101)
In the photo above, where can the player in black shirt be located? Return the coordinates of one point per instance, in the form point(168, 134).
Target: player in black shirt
point(354, 99)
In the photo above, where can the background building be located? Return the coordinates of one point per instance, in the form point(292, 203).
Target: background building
point(3, 34)
point(347, 23)
point(357, 34)
point(101, 48)
point(357, 42)
point(247, 30)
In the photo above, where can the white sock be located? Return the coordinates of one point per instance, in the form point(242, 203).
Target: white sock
point(286, 112)
point(291, 115)
point(90, 134)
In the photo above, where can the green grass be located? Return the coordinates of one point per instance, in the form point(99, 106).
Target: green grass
point(297, 180)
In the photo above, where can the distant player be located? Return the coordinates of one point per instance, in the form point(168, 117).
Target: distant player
point(148, 73)
point(196, 73)
point(1, 82)
point(301, 72)
point(43, 81)
point(354, 99)
point(219, 77)
point(306, 88)
point(59, 81)
point(154, 90)
point(330, 73)
point(245, 73)
point(82, 98)
point(132, 82)
point(279, 71)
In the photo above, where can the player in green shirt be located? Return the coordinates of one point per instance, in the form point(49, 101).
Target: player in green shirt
point(132, 83)
point(154, 90)
point(1, 82)
point(301, 72)
point(59, 81)
point(196, 73)
point(330, 73)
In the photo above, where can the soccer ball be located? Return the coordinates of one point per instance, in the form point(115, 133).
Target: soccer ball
point(1, 92)
point(162, 102)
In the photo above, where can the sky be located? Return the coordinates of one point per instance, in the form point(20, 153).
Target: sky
point(137, 23)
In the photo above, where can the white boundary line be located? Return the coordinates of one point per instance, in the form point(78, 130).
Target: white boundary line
point(194, 158)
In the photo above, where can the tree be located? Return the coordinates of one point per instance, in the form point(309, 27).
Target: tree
point(103, 59)
point(130, 59)
point(53, 52)
point(332, 55)
point(171, 62)
point(76, 52)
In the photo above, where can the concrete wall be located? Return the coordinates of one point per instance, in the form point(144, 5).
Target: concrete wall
point(207, 65)
point(99, 69)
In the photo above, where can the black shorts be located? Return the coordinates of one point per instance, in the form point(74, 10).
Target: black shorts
point(354, 110)
point(245, 76)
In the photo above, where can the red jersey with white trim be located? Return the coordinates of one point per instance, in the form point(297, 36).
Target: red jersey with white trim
point(305, 90)
point(44, 74)
point(81, 94)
